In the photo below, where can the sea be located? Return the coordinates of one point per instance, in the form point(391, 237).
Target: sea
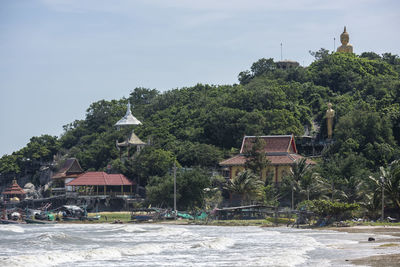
point(179, 245)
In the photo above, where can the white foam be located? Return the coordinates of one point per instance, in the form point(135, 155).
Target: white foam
point(219, 243)
point(134, 229)
point(12, 228)
point(60, 257)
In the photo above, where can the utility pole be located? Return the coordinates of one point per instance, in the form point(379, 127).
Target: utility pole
point(175, 212)
point(383, 198)
point(281, 52)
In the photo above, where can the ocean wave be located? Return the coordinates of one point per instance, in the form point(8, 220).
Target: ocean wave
point(12, 228)
point(134, 229)
point(60, 257)
point(219, 243)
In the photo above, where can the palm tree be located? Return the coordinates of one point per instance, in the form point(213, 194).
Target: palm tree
point(297, 176)
point(246, 185)
point(389, 180)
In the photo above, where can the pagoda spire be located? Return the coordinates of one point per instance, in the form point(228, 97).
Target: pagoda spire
point(128, 119)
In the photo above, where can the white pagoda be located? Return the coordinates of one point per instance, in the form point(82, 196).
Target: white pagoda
point(133, 140)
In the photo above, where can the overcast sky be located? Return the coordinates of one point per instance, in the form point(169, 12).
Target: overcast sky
point(59, 56)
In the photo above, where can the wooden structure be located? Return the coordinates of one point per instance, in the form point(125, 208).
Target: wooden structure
point(70, 170)
point(243, 212)
point(14, 192)
point(102, 184)
point(280, 150)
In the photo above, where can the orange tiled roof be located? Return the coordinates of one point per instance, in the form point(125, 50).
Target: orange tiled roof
point(100, 178)
point(287, 159)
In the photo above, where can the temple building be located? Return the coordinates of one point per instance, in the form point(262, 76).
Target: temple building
point(102, 184)
point(280, 150)
point(14, 192)
point(132, 141)
point(70, 170)
point(287, 64)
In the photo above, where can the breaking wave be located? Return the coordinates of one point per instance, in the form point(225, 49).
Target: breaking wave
point(60, 257)
point(12, 228)
point(219, 243)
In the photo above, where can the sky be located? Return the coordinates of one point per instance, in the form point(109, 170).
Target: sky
point(59, 56)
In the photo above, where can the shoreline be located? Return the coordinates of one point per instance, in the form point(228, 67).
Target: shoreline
point(387, 260)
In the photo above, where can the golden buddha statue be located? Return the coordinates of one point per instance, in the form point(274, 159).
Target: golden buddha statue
point(344, 39)
point(330, 114)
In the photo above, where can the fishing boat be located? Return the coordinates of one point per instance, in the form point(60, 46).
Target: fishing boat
point(35, 221)
point(5, 221)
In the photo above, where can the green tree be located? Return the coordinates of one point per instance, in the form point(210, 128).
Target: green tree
point(152, 162)
point(390, 179)
point(256, 158)
point(246, 185)
point(190, 189)
point(262, 66)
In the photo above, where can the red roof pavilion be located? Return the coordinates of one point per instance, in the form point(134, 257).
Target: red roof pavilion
point(100, 178)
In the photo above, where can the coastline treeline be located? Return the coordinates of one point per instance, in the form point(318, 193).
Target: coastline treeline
point(199, 126)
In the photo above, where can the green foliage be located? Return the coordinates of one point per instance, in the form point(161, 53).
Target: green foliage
point(342, 72)
point(256, 159)
point(190, 189)
point(152, 162)
point(9, 165)
point(202, 124)
point(246, 185)
point(323, 208)
point(389, 179)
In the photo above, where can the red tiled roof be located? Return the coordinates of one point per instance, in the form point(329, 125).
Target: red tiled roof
point(14, 189)
point(100, 178)
point(286, 159)
point(273, 143)
point(71, 168)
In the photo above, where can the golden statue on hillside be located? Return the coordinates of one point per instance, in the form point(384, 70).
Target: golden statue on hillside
point(330, 114)
point(344, 39)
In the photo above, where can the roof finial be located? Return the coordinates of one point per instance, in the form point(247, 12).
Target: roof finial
point(128, 119)
point(344, 29)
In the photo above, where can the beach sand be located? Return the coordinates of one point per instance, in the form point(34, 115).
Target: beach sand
point(388, 260)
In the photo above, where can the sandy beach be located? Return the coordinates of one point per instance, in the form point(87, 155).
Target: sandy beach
point(381, 243)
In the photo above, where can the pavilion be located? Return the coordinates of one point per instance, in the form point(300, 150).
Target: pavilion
point(280, 150)
point(14, 192)
point(101, 183)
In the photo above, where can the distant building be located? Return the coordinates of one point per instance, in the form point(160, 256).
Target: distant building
point(14, 192)
point(70, 170)
point(287, 64)
point(280, 150)
point(102, 184)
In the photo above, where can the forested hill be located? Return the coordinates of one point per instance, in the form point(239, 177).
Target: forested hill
point(201, 125)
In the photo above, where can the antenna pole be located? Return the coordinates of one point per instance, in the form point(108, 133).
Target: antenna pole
point(175, 213)
point(281, 52)
point(334, 44)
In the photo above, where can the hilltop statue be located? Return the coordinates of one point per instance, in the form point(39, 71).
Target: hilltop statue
point(344, 39)
point(330, 114)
